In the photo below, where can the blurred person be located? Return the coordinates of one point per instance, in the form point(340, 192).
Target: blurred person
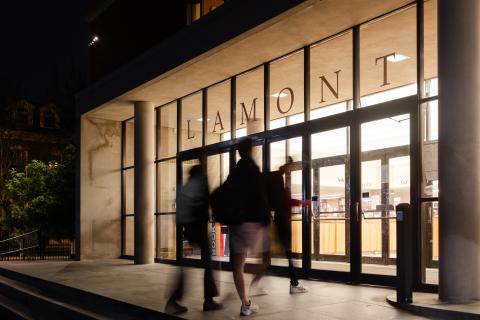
point(281, 203)
point(192, 214)
point(250, 232)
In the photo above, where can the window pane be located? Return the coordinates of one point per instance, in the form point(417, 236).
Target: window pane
point(166, 186)
point(430, 250)
point(388, 58)
point(191, 134)
point(286, 92)
point(166, 236)
point(430, 48)
point(386, 133)
point(167, 131)
point(331, 76)
point(218, 113)
point(129, 236)
point(129, 136)
point(128, 185)
point(249, 108)
point(429, 150)
point(218, 168)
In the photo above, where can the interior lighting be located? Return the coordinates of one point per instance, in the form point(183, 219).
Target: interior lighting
point(94, 40)
point(201, 119)
point(281, 95)
point(397, 57)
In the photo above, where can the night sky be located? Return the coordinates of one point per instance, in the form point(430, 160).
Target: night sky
point(43, 51)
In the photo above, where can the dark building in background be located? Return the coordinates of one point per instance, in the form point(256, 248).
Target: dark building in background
point(122, 30)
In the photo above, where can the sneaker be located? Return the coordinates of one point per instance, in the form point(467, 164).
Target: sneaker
point(173, 307)
point(246, 310)
point(298, 288)
point(211, 305)
point(257, 291)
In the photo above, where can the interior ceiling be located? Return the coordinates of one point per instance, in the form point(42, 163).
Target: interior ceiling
point(294, 29)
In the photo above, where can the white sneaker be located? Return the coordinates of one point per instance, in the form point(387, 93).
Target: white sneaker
point(257, 291)
point(298, 289)
point(246, 310)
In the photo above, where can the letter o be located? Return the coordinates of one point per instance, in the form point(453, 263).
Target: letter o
point(291, 100)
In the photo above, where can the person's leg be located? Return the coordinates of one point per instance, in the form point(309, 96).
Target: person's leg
point(238, 262)
point(284, 231)
point(264, 247)
point(210, 288)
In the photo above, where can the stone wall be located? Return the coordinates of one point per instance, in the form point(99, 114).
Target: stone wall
point(100, 193)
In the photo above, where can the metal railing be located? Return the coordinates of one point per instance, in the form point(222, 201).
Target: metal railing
point(32, 246)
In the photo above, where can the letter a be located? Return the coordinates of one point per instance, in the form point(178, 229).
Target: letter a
point(218, 121)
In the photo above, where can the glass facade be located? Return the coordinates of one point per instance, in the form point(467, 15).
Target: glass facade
point(351, 164)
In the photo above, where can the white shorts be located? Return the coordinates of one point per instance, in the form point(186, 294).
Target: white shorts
point(250, 237)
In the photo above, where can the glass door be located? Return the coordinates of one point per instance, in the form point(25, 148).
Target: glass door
point(330, 187)
point(385, 182)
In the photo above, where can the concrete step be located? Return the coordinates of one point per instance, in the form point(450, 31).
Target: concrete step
point(41, 306)
point(10, 310)
point(48, 298)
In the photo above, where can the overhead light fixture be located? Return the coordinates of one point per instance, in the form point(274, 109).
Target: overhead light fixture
point(397, 57)
point(201, 119)
point(281, 95)
point(94, 40)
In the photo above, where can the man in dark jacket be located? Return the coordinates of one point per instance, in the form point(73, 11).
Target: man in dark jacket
point(250, 201)
point(192, 214)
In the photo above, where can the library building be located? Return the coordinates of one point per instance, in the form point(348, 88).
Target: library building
point(376, 103)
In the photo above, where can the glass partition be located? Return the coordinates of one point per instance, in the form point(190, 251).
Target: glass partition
point(166, 209)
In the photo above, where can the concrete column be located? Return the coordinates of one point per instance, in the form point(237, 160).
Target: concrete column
point(459, 149)
point(144, 174)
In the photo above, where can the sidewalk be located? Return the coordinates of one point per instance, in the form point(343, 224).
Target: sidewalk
point(149, 286)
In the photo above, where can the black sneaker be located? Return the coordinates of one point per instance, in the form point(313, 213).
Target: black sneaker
point(211, 305)
point(173, 307)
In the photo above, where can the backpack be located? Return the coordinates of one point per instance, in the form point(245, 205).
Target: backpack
point(223, 206)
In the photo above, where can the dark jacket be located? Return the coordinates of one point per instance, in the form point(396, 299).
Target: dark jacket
point(193, 201)
point(247, 185)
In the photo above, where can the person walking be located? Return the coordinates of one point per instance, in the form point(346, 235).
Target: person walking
point(192, 214)
point(281, 203)
point(247, 187)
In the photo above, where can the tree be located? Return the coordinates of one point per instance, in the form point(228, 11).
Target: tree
point(42, 197)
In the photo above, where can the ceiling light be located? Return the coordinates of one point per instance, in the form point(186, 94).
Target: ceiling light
point(397, 57)
point(201, 119)
point(281, 95)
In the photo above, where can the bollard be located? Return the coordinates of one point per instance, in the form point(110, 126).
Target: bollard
point(404, 253)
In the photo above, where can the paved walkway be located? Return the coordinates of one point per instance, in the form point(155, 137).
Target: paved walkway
point(149, 286)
